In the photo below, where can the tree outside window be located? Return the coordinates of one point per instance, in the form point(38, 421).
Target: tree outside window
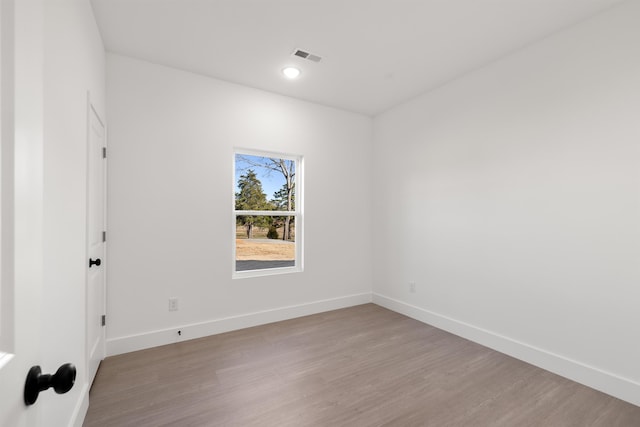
point(267, 219)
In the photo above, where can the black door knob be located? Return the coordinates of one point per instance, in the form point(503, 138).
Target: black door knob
point(61, 381)
point(94, 262)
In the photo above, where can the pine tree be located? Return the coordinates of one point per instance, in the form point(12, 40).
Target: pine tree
point(251, 197)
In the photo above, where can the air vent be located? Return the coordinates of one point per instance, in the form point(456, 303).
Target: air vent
point(306, 55)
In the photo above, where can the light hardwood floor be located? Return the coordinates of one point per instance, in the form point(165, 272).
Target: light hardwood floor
point(360, 366)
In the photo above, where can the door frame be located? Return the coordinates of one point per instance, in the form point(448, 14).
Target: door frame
point(92, 110)
point(22, 151)
point(6, 186)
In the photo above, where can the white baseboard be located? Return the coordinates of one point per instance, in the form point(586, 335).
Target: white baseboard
point(156, 338)
point(608, 383)
point(80, 411)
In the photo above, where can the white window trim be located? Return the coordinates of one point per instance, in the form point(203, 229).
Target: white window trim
point(298, 267)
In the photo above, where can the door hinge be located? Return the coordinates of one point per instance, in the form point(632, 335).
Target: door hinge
point(104, 152)
point(104, 236)
point(104, 319)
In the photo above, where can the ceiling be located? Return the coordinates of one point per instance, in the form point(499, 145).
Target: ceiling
point(375, 53)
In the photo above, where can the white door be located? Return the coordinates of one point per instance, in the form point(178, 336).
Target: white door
point(95, 244)
point(21, 169)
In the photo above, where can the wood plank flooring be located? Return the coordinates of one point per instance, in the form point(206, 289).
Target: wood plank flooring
point(360, 366)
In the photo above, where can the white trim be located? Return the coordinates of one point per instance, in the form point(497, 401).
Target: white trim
point(607, 382)
point(156, 338)
point(7, 181)
point(265, 272)
point(80, 411)
point(267, 213)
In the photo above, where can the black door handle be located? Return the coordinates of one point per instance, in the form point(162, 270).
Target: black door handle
point(61, 381)
point(96, 262)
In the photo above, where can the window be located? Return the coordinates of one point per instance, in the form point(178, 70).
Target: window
point(267, 227)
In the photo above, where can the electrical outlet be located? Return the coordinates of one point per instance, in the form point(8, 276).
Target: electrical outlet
point(173, 304)
point(412, 287)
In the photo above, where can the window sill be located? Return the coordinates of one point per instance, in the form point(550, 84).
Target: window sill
point(265, 272)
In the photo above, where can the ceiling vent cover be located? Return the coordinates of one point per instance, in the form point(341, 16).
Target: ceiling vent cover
point(306, 55)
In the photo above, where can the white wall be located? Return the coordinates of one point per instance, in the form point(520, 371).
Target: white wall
point(74, 64)
point(171, 140)
point(512, 197)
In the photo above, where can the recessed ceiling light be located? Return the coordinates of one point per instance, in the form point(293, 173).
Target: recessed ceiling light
point(291, 72)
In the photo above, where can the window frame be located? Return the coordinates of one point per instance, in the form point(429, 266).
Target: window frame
point(297, 213)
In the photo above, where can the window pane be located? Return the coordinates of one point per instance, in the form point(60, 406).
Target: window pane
point(264, 183)
point(264, 242)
